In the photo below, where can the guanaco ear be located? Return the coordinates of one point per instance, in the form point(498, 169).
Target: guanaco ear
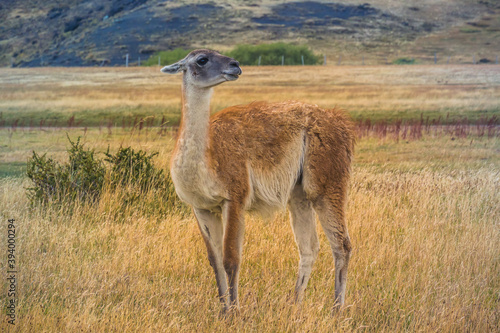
point(174, 68)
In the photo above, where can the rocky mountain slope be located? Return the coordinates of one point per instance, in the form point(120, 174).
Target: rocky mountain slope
point(102, 32)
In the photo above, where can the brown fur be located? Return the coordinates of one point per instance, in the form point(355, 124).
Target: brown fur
point(259, 133)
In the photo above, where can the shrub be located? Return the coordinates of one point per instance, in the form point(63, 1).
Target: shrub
point(136, 176)
point(46, 176)
point(469, 30)
point(404, 61)
point(82, 178)
point(248, 55)
point(166, 57)
point(271, 54)
point(130, 167)
point(130, 174)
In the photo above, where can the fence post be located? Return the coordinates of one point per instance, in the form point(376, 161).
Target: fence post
point(324, 59)
point(282, 60)
point(159, 61)
point(260, 58)
point(12, 61)
point(139, 61)
point(435, 58)
point(302, 60)
point(126, 60)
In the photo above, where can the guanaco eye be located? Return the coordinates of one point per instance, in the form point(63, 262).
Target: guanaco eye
point(202, 61)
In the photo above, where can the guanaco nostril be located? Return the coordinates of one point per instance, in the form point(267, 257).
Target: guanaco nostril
point(235, 64)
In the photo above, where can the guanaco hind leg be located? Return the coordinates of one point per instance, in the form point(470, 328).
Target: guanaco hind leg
point(331, 216)
point(304, 229)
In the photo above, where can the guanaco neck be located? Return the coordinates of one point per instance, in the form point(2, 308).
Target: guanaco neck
point(192, 142)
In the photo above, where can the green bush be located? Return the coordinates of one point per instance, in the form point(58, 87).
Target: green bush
point(130, 167)
point(404, 61)
point(129, 174)
point(136, 176)
point(248, 55)
point(469, 30)
point(81, 178)
point(271, 54)
point(46, 176)
point(166, 57)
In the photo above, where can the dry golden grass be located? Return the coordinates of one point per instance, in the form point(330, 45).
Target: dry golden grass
point(423, 217)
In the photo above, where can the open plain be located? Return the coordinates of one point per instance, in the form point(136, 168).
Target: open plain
point(423, 211)
point(97, 96)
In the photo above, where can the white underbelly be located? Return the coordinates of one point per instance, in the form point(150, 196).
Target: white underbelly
point(270, 190)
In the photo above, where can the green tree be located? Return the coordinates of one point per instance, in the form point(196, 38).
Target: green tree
point(271, 54)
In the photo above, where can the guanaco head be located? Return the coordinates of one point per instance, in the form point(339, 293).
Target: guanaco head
point(205, 68)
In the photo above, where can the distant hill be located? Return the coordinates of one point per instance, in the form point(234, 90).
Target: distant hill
point(102, 32)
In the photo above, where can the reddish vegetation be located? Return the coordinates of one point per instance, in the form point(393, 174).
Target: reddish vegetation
point(415, 130)
point(406, 130)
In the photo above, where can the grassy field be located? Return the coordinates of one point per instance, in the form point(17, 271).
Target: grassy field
point(423, 214)
point(121, 96)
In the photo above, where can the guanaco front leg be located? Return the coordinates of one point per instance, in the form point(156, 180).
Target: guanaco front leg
point(234, 222)
point(212, 230)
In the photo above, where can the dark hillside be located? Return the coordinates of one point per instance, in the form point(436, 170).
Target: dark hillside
point(102, 32)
